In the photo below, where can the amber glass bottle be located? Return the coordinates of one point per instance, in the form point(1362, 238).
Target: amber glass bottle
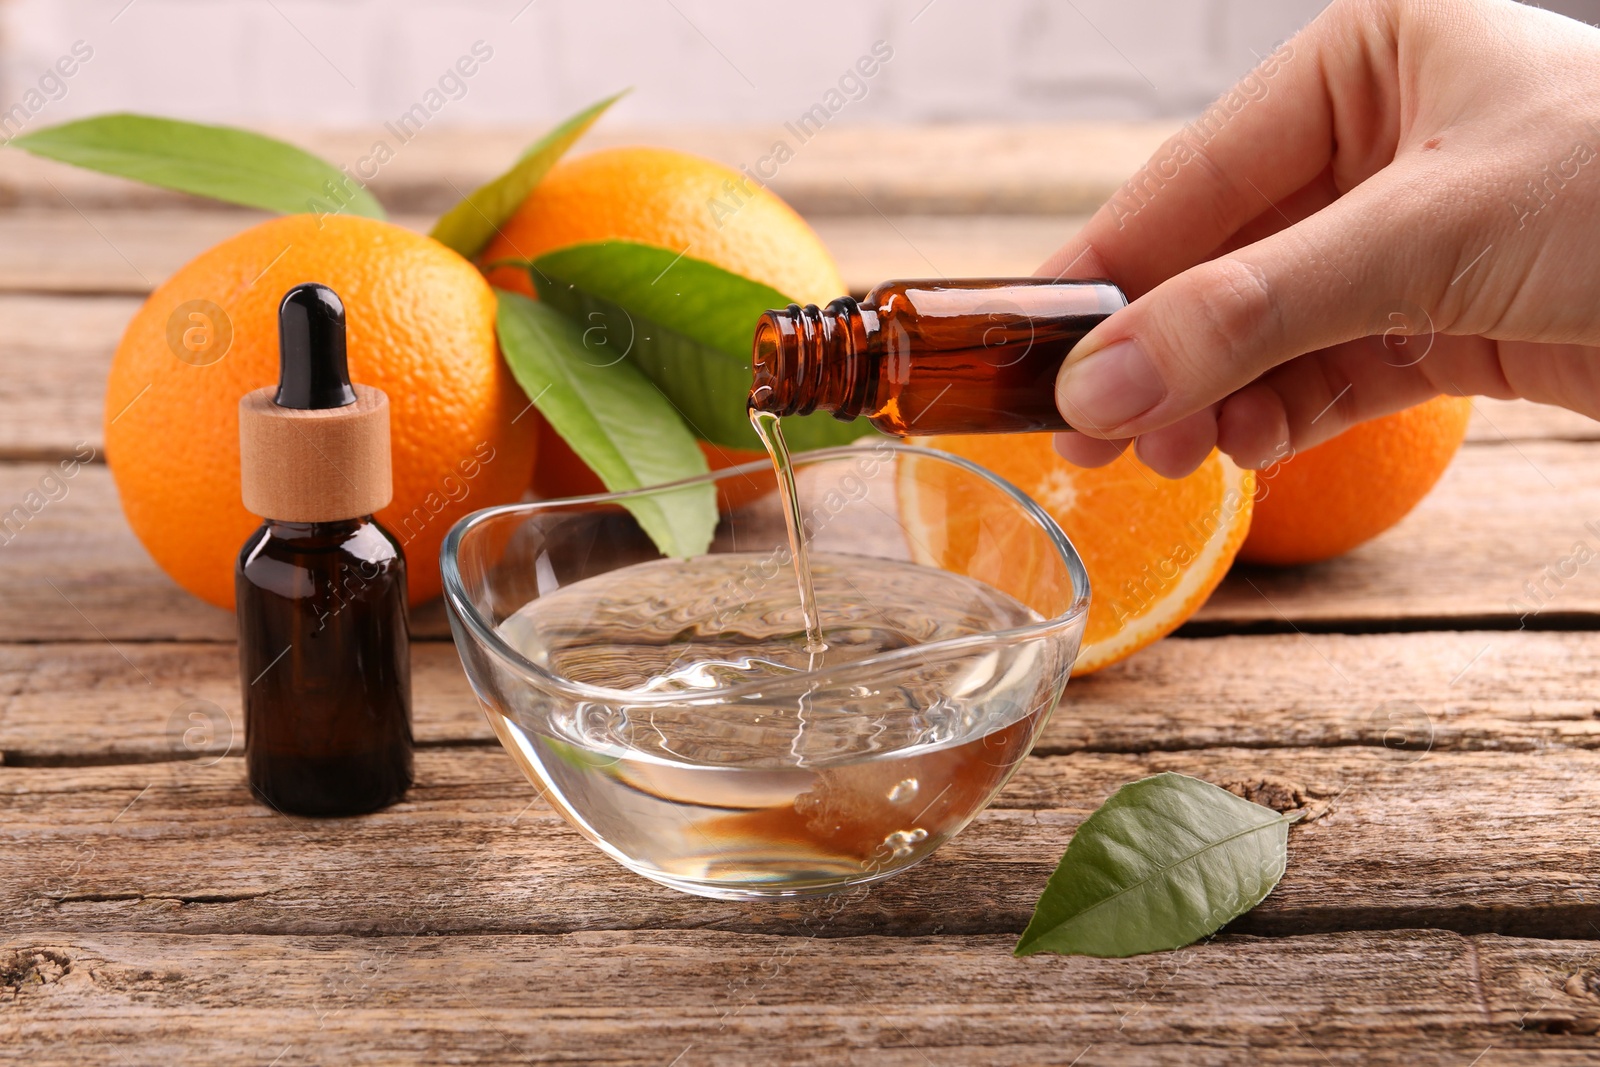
point(930, 357)
point(324, 655)
point(325, 666)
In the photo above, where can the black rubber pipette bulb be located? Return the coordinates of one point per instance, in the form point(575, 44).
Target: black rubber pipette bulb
point(312, 369)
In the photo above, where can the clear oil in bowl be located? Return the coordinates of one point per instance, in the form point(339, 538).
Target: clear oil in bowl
point(823, 777)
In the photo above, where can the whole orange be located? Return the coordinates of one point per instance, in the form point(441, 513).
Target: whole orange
point(671, 200)
point(1327, 500)
point(420, 326)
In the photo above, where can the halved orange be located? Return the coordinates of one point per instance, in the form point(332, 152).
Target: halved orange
point(1154, 547)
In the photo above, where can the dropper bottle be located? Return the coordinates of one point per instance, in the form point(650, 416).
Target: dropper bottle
point(324, 652)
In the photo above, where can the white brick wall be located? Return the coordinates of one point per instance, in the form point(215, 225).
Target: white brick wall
point(360, 62)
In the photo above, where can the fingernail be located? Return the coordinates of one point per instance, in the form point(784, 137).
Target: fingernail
point(1109, 387)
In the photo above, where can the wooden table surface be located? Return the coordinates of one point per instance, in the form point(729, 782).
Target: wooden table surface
point(1442, 910)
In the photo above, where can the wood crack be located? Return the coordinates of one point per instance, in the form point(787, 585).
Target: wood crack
point(1545, 622)
point(148, 757)
point(1177, 746)
point(1532, 926)
point(176, 898)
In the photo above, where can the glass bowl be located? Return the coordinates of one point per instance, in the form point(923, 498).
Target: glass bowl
point(670, 710)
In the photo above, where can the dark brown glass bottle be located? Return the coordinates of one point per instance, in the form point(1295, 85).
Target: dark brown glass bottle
point(930, 357)
point(326, 667)
point(320, 587)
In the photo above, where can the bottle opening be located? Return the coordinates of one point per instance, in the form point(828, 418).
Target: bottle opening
point(767, 392)
point(806, 358)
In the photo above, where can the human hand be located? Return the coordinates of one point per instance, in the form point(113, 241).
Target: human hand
point(1402, 201)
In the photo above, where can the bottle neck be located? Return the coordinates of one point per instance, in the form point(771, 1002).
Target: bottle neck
point(810, 358)
point(316, 534)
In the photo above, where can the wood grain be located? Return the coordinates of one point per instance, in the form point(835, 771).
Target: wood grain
point(1441, 691)
point(126, 252)
point(1500, 518)
point(694, 998)
point(55, 353)
point(1506, 422)
point(177, 701)
point(72, 569)
point(1397, 694)
point(1402, 840)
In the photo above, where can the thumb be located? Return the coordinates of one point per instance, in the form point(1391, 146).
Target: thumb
point(1213, 329)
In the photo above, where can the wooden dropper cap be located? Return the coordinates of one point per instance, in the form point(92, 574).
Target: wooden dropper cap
point(316, 448)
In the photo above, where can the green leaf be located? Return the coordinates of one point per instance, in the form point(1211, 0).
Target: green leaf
point(1164, 862)
point(220, 162)
point(468, 226)
point(614, 419)
point(689, 296)
point(688, 324)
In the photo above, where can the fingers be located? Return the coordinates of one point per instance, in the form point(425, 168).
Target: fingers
point(1171, 452)
point(1320, 395)
point(1271, 136)
point(1295, 407)
point(1312, 399)
point(1216, 327)
point(1294, 208)
point(1081, 450)
point(1564, 374)
point(1176, 450)
point(1253, 427)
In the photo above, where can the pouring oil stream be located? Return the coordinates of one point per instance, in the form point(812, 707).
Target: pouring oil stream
point(767, 428)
